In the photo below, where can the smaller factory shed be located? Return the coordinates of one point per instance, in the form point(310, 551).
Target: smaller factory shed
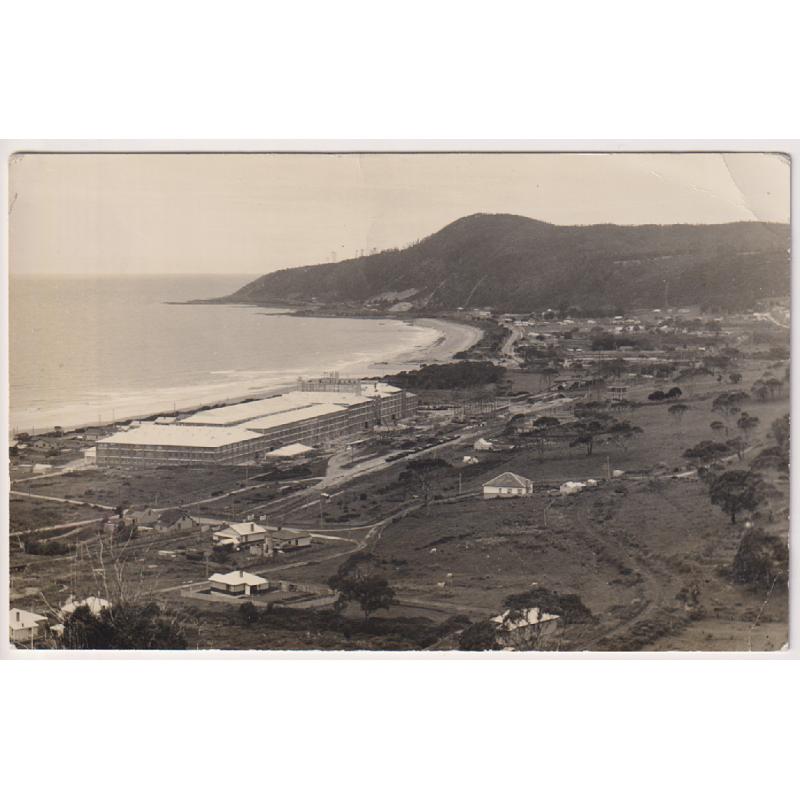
point(295, 450)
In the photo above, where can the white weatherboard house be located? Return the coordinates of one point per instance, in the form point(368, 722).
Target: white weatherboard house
point(508, 484)
point(240, 533)
point(24, 626)
point(238, 582)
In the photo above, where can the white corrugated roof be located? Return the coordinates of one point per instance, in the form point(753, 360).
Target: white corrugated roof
point(242, 412)
point(237, 578)
point(94, 604)
point(20, 620)
point(182, 435)
point(295, 449)
point(243, 528)
point(296, 415)
point(509, 480)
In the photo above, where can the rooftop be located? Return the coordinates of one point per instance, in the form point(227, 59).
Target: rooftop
point(511, 620)
point(296, 415)
point(19, 620)
point(181, 436)
point(243, 528)
point(509, 480)
point(94, 604)
point(237, 578)
point(290, 450)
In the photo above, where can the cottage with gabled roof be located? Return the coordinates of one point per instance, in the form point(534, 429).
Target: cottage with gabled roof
point(508, 484)
point(175, 520)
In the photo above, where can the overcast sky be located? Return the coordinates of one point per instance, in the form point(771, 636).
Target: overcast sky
point(128, 214)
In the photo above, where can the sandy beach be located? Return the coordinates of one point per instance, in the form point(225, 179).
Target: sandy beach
point(450, 338)
point(453, 338)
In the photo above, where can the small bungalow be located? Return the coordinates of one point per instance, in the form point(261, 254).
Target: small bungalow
point(25, 626)
point(508, 484)
point(238, 582)
point(174, 520)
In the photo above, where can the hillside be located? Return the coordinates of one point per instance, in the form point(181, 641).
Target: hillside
point(514, 263)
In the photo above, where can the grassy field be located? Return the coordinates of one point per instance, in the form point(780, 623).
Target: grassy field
point(634, 549)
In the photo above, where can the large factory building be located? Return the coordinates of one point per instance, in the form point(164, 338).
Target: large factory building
point(318, 412)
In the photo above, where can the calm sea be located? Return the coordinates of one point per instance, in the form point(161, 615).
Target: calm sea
point(84, 349)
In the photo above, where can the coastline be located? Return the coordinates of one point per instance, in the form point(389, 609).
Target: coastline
point(453, 337)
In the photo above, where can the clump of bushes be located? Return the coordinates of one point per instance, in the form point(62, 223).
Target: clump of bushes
point(761, 561)
point(45, 548)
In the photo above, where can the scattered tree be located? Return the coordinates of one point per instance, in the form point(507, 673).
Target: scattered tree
point(479, 637)
point(728, 404)
point(761, 561)
point(677, 411)
point(747, 424)
point(707, 452)
point(717, 426)
point(359, 579)
point(735, 491)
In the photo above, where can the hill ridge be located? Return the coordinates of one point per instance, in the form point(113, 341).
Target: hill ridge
point(512, 262)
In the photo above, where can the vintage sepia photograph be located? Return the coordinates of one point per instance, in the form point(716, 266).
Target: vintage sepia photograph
point(484, 402)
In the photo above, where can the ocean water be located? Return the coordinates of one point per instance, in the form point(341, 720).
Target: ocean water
point(89, 349)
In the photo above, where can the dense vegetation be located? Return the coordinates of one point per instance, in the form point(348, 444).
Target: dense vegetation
point(459, 375)
point(515, 263)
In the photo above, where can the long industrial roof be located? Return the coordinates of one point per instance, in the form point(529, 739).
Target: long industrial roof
point(295, 415)
point(256, 409)
point(182, 436)
point(242, 412)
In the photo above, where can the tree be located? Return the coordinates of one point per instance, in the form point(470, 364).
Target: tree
point(717, 426)
point(123, 627)
point(747, 424)
point(656, 396)
point(588, 430)
point(673, 393)
point(735, 377)
point(707, 452)
point(774, 387)
point(760, 391)
point(479, 637)
point(677, 411)
point(248, 612)
point(359, 580)
point(761, 560)
point(780, 431)
point(735, 491)
point(738, 445)
point(423, 471)
point(620, 433)
point(728, 404)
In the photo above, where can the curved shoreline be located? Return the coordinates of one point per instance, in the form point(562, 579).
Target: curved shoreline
point(454, 337)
